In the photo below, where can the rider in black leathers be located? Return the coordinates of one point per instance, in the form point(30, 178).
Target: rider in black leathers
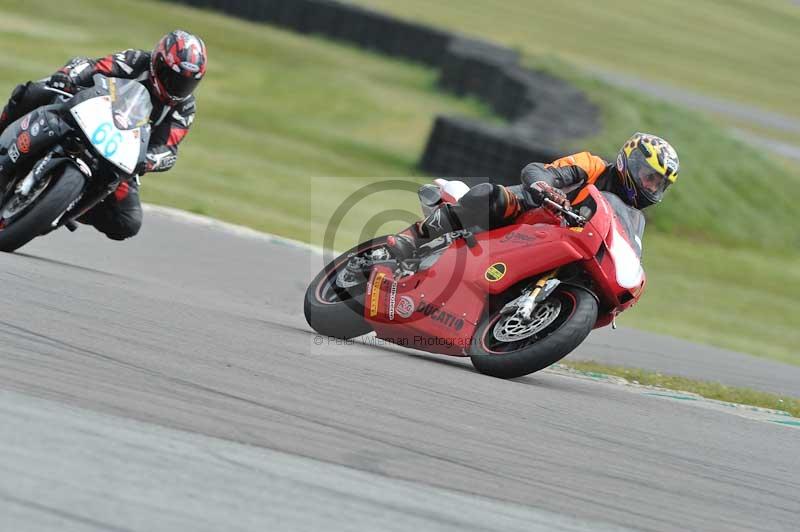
point(170, 72)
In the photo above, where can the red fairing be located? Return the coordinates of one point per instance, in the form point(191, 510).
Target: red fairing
point(617, 272)
point(438, 309)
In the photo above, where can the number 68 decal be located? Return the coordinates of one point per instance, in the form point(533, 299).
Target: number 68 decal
point(101, 137)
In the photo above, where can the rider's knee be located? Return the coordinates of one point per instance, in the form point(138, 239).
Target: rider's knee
point(123, 226)
point(485, 198)
point(122, 233)
point(479, 196)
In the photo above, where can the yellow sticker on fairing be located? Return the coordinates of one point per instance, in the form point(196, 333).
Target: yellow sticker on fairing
point(375, 294)
point(495, 272)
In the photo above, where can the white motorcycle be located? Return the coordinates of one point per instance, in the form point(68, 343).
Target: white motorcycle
point(68, 156)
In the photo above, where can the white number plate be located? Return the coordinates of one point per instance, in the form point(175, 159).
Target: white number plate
point(120, 147)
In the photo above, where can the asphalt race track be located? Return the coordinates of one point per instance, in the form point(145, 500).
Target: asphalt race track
point(171, 383)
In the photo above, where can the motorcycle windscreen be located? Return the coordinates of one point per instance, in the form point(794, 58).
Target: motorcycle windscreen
point(626, 242)
point(130, 103)
point(631, 221)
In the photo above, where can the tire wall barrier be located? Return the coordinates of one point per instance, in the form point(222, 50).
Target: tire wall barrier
point(542, 111)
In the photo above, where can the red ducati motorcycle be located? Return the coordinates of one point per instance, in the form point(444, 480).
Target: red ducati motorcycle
point(514, 299)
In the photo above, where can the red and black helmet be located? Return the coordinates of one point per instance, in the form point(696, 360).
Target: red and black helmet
point(177, 65)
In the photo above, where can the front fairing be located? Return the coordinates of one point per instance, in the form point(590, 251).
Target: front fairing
point(629, 222)
point(114, 120)
point(616, 268)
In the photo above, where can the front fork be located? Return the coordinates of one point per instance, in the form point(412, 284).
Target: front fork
point(524, 305)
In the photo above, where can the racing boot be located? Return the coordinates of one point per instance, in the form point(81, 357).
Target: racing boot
point(430, 197)
point(441, 221)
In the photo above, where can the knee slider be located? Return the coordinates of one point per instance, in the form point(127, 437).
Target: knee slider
point(124, 227)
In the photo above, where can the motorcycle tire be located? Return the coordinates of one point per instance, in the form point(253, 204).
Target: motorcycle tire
point(576, 316)
point(333, 311)
point(37, 218)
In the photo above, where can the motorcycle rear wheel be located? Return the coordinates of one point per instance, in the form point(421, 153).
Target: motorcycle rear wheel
point(334, 311)
point(38, 217)
point(573, 314)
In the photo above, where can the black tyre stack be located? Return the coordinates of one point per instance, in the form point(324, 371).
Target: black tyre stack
point(543, 111)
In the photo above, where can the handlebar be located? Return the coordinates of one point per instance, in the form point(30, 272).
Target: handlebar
point(571, 216)
point(58, 91)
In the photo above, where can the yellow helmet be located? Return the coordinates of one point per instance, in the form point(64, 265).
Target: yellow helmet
point(647, 165)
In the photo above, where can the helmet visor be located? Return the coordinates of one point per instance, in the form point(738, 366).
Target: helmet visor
point(649, 182)
point(177, 84)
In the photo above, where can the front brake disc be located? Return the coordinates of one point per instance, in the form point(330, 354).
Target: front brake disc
point(513, 328)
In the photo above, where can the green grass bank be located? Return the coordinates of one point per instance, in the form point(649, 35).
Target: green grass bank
point(739, 50)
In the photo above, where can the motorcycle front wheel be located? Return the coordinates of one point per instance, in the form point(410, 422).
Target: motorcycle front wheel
point(23, 218)
point(506, 347)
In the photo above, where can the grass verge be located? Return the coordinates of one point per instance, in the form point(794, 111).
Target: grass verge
point(709, 390)
point(735, 49)
point(736, 298)
point(727, 192)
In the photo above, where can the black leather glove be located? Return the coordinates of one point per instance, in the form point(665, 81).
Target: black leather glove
point(141, 168)
point(62, 81)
